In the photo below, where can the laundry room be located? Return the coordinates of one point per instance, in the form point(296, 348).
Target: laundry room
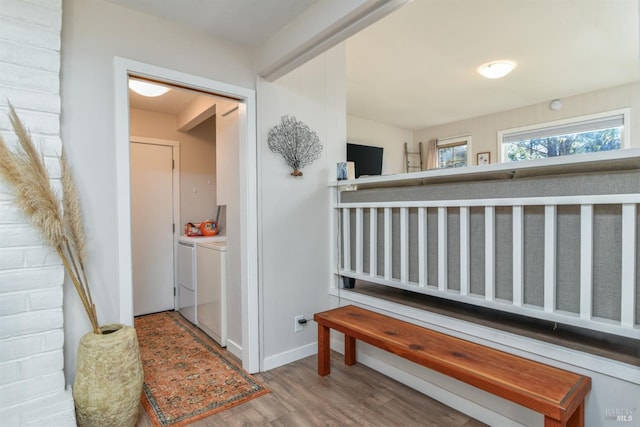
point(184, 188)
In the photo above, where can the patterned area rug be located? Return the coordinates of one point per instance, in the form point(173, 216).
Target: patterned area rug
point(186, 378)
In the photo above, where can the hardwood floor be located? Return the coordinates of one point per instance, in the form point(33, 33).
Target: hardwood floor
point(350, 396)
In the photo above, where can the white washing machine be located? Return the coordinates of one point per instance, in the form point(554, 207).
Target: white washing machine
point(212, 289)
point(187, 275)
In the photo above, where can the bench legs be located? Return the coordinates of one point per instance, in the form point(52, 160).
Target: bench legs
point(324, 353)
point(576, 420)
point(324, 350)
point(349, 350)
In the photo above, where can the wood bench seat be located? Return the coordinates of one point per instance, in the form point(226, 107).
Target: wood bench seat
point(556, 393)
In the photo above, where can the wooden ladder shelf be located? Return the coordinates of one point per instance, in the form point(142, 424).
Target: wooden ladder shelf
point(409, 156)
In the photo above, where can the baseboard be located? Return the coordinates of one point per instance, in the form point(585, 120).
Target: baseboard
point(289, 356)
point(234, 349)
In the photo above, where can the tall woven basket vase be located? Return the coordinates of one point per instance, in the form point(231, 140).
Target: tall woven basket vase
point(109, 378)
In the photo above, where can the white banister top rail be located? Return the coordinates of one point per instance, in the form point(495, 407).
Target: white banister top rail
point(515, 201)
point(617, 160)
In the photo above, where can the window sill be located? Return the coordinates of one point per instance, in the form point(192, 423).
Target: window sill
point(618, 160)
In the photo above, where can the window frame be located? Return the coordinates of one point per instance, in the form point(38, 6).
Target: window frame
point(453, 142)
point(625, 137)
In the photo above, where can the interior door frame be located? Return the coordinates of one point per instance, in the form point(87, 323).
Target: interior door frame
point(247, 173)
point(175, 182)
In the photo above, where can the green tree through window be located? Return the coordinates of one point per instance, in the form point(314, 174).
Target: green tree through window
point(563, 145)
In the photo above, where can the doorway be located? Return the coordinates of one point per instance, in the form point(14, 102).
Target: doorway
point(247, 180)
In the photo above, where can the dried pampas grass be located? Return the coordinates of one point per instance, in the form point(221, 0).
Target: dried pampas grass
point(61, 227)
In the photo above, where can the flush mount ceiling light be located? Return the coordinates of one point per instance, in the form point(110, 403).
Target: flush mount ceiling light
point(555, 105)
point(496, 69)
point(147, 88)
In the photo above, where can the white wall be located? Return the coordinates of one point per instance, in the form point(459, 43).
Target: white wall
point(198, 171)
point(484, 129)
point(294, 212)
point(197, 160)
point(391, 138)
point(32, 384)
point(93, 33)
point(150, 124)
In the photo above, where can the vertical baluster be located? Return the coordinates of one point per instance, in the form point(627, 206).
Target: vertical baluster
point(346, 240)
point(550, 235)
point(334, 249)
point(628, 298)
point(489, 252)
point(442, 249)
point(422, 247)
point(359, 241)
point(373, 242)
point(404, 245)
point(465, 274)
point(586, 261)
point(518, 255)
point(387, 244)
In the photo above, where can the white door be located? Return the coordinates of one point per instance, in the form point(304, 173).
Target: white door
point(152, 227)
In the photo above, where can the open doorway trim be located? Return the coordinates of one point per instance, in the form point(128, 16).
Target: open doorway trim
point(123, 68)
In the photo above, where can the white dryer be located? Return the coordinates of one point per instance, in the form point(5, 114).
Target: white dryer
point(212, 289)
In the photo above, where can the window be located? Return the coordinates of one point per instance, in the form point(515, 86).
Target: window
point(587, 134)
point(452, 152)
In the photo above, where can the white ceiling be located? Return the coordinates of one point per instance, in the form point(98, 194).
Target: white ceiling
point(172, 102)
point(177, 99)
point(416, 67)
point(247, 22)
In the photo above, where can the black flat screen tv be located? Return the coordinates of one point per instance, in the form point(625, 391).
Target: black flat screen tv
point(367, 160)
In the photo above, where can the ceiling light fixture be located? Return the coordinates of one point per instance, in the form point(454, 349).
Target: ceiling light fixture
point(147, 88)
point(555, 105)
point(496, 69)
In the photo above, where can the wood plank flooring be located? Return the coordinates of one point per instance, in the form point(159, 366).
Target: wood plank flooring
point(350, 396)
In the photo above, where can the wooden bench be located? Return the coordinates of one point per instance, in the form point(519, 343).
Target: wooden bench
point(556, 393)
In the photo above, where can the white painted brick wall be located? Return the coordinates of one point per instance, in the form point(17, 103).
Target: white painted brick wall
point(32, 385)
point(20, 347)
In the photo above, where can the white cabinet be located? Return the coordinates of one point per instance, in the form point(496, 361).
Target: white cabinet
point(212, 290)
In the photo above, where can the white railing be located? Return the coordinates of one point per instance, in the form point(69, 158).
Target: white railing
point(349, 246)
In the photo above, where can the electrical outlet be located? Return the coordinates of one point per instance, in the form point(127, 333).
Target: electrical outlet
point(297, 327)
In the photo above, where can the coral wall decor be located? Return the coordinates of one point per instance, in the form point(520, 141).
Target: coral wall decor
point(297, 143)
